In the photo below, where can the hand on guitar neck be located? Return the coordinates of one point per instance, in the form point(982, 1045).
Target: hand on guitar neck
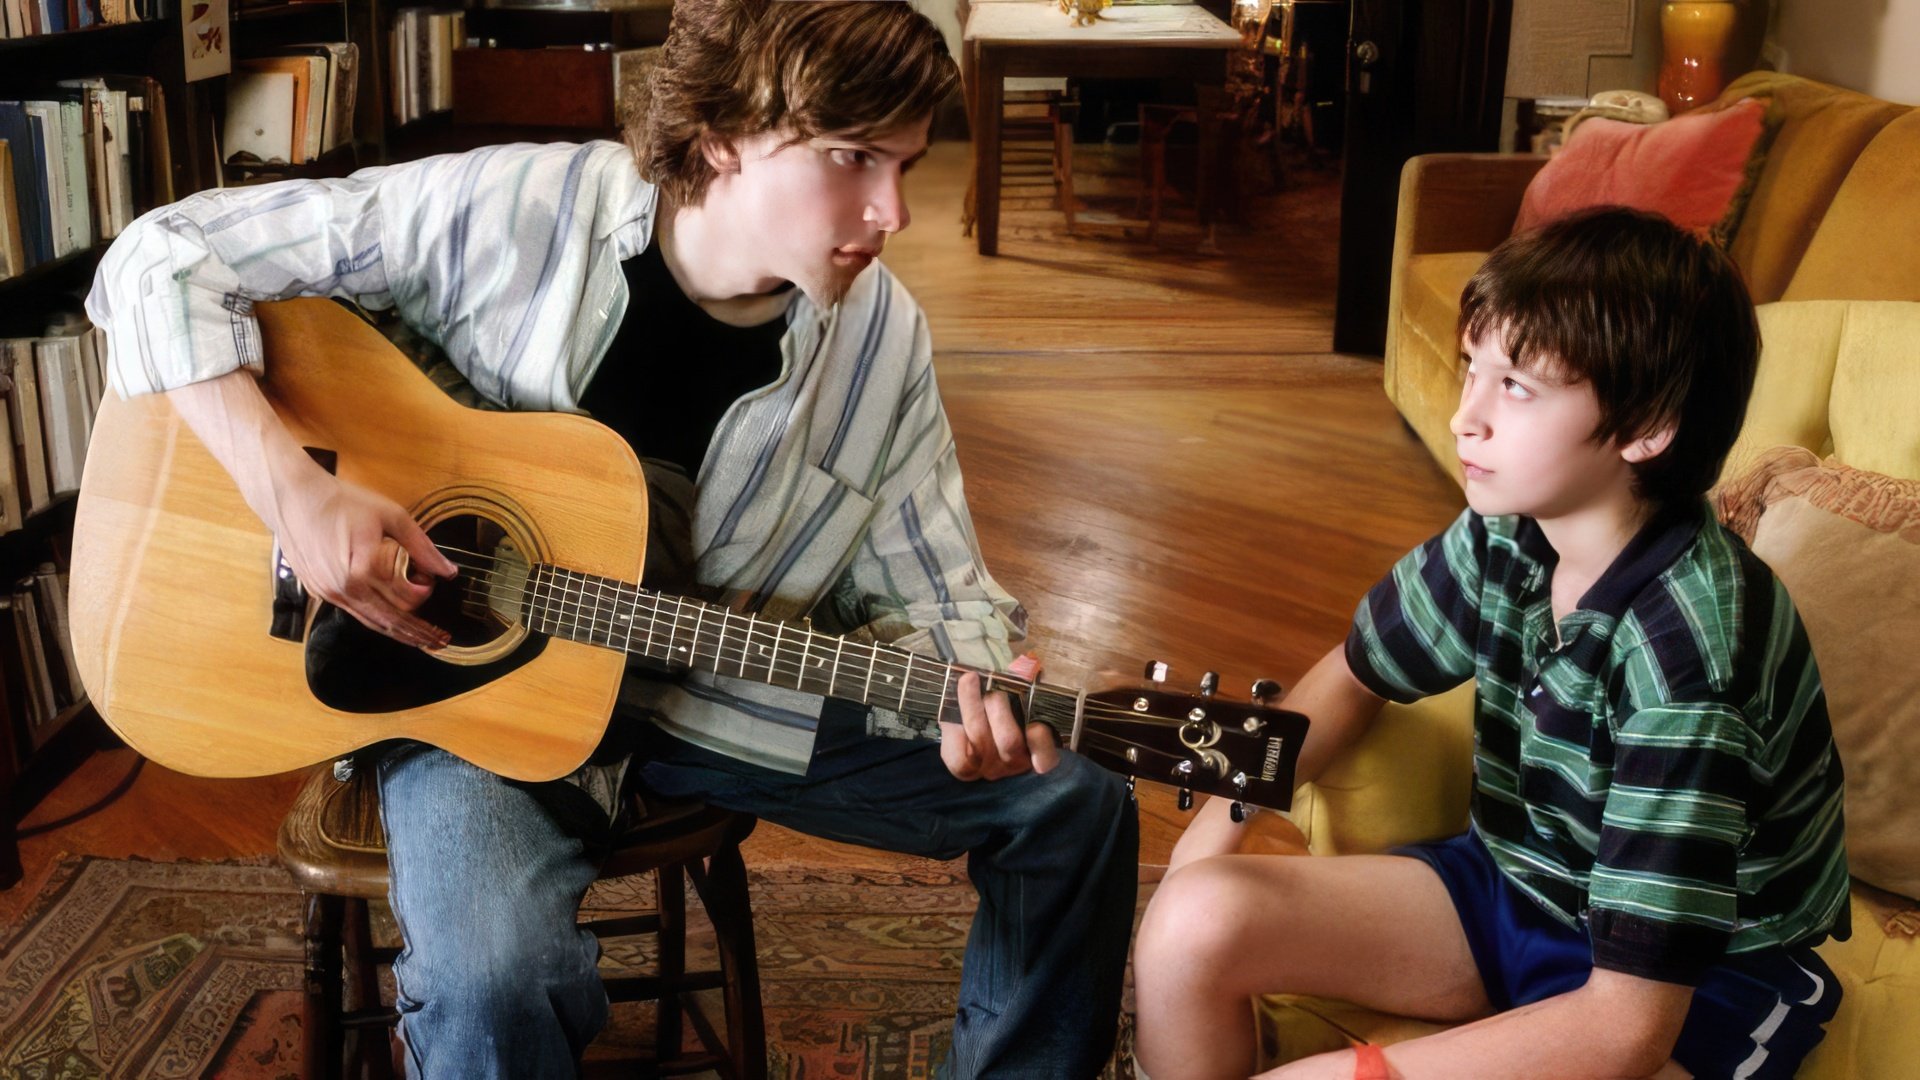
point(350, 546)
point(990, 742)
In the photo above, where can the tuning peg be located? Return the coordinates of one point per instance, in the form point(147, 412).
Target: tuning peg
point(1265, 690)
point(1183, 776)
point(1156, 671)
point(1209, 682)
point(1238, 811)
point(1130, 782)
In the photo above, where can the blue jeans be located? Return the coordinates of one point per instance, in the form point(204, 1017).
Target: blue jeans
point(496, 979)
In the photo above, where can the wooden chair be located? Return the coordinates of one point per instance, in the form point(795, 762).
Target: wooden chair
point(332, 843)
point(1036, 140)
point(1036, 149)
point(1216, 174)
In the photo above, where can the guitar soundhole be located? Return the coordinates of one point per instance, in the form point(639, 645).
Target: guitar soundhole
point(484, 602)
point(355, 669)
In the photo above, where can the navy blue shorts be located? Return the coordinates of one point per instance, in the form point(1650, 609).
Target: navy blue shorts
point(1755, 1015)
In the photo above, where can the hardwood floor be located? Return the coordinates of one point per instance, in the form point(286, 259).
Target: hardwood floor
point(1161, 460)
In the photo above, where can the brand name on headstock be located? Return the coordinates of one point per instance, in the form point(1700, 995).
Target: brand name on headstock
point(1270, 767)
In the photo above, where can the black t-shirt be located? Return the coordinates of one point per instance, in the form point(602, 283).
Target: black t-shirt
point(673, 370)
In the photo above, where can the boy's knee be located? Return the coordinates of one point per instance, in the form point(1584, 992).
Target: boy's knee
point(1203, 914)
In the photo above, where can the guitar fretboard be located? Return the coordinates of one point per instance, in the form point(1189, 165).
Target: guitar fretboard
point(707, 637)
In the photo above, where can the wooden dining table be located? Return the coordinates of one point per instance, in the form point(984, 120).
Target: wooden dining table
point(1032, 38)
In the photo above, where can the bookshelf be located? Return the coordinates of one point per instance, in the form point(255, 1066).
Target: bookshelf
point(179, 158)
point(189, 157)
point(45, 732)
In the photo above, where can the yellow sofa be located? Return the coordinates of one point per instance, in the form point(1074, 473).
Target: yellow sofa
point(1831, 217)
point(1827, 247)
point(1838, 377)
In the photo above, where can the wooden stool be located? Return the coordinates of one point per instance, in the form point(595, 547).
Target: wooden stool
point(332, 844)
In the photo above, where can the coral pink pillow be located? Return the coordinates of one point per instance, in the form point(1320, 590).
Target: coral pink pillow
point(1690, 168)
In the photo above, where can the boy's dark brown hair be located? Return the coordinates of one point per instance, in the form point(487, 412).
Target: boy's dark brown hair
point(1656, 319)
point(735, 68)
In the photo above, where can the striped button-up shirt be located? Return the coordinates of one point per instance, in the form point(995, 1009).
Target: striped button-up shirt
point(1658, 766)
point(835, 489)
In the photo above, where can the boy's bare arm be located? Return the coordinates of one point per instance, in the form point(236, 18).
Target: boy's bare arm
point(1616, 1027)
point(1339, 709)
point(343, 541)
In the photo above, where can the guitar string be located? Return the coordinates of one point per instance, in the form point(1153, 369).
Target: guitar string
point(1046, 711)
point(771, 666)
point(1091, 738)
point(1103, 740)
point(761, 652)
point(655, 606)
point(768, 656)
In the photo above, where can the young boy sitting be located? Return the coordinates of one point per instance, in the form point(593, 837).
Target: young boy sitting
point(1656, 834)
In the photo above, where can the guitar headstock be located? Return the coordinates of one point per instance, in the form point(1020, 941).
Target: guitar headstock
point(1197, 742)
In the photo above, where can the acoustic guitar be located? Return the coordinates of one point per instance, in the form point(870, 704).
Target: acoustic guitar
point(199, 648)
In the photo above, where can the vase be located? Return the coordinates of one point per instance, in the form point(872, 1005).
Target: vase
point(1697, 41)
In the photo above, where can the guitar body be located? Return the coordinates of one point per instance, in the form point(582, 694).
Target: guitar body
point(172, 589)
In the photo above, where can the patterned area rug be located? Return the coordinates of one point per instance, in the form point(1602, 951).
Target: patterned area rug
point(122, 968)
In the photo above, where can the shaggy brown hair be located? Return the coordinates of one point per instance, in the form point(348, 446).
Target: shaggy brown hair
point(806, 68)
point(1657, 319)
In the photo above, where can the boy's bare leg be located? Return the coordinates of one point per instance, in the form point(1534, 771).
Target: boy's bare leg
point(1376, 930)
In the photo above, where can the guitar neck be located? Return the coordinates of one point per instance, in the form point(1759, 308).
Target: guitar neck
point(684, 632)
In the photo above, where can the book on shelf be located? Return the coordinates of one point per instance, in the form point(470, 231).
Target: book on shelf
point(36, 656)
point(39, 678)
point(67, 174)
point(23, 410)
point(33, 18)
point(290, 109)
point(93, 370)
point(424, 40)
point(151, 146)
point(50, 161)
point(87, 158)
point(13, 252)
point(343, 90)
point(12, 513)
point(41, 700)
point(259, 127)
point(111, 150)
point(50, 596)
point(67, 422)
point(29, 176)
point(15, 693)
point(52, 387)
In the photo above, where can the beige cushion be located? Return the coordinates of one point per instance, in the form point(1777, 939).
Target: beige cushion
point(1846, 543)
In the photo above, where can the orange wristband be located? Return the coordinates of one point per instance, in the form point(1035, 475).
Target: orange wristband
point(1370, 1063)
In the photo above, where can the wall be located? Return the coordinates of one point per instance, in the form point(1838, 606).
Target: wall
point(1868, 45)
point(944, 16)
